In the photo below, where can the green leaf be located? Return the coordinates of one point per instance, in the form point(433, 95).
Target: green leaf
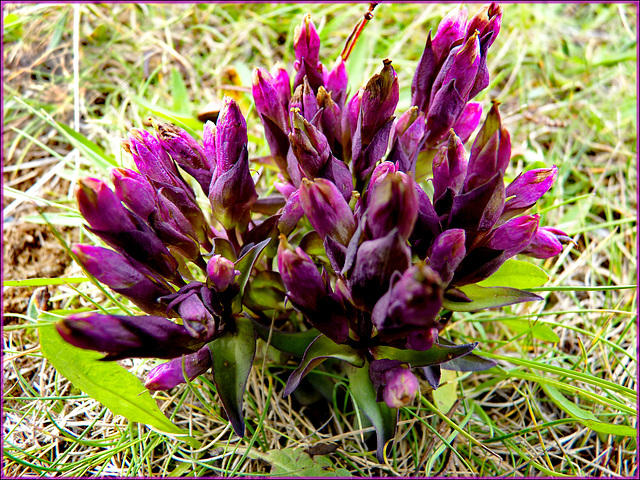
point(179, 94)
point(245, 264)
point(488, 297)
point(295, 462)
point(265, 291)
point(382, 417)
point(445, 395)
point(436, 355)
point(41, 282)
point(107, 382)
point(538, 330)
point(585, 417)
point(232, 359)
point(86, 146)
point(190, 124)
point(291, 343)
point(516, 274)
point(319, 350)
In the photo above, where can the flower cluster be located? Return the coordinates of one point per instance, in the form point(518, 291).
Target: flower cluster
point(355, 259)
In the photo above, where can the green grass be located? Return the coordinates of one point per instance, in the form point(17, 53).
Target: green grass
point(562, 400)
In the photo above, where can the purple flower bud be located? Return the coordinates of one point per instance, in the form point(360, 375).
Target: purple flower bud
point(187, 153)
point(406, 316)
point(446, 253)
point(451, 29)
point(268, 99)
point(327, 210)
point(379, 101)
point(171, 373)
point(174, 228)
point(401, 387)
point(468, 121)
point(101, 207)
point(300, 276)
point(124, 276)
point(199, 308)
point(231, 136)
point(127, 337)
point(135, 191)
point(375, 263)
point(282, 83)
point(153, 161)
point(547, 242)
point(490, 153)
point(515, 235)
point(444, 111)
point(209, 144)
point(393, 203)
point(305, 103)
point(222, 272)
point(336, 81)
point(449, 167)
point(232, 193)
point(408, 136)
point(462, 66)
point(527, 189)
point(486, 21)
point(291, 214)
point(424, 77)
point(309, 145)
point(331, 121)
point(306, 42)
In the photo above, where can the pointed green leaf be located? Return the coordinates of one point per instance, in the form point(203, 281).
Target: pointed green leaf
point(516, 274)
point(488, 297)
point(232, 356)
point(467, 363)
point(382, 417)
point(245, 264)
point(107, 382)
point(585, 417)
point(86, 146)
point(436, 355)
point(291, 343)
point(179, 94)
point(319, 350)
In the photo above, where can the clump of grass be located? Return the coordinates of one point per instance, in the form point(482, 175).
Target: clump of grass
point(562, 400)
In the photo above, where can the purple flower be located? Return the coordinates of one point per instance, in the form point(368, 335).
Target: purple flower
point(546, 243)
point(406, 316)
point(124, 276)
point(327, 210)
point(222, 272)
point(128, 337)
point(172, 373)
point(401, 387)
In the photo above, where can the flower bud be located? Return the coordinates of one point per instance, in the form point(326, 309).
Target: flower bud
point(135, 191)
point(446, 253)
point(449, 167)
point(123, 337)
point(199, 308)
point(515, 235)
point(408, 133)
point(490, 153)
point(392, 203)
point(306, 42)
point(222, 272)
point(468, 121)
point(336, 81)
point(424, 77)
point(268, 98)
point(124, 276)
point(309, 145)
point(231, 136)
point(379, 101)
point(546, 243)
point(527, 189)
point(232, 193)
point(172, 374)
point(401, 387)
point(406, 316)
point(327, 210)
point(187, 153)
point(300, 276)
point(451, 29)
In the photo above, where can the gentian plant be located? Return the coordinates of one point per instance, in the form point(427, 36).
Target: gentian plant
point(383, 225)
